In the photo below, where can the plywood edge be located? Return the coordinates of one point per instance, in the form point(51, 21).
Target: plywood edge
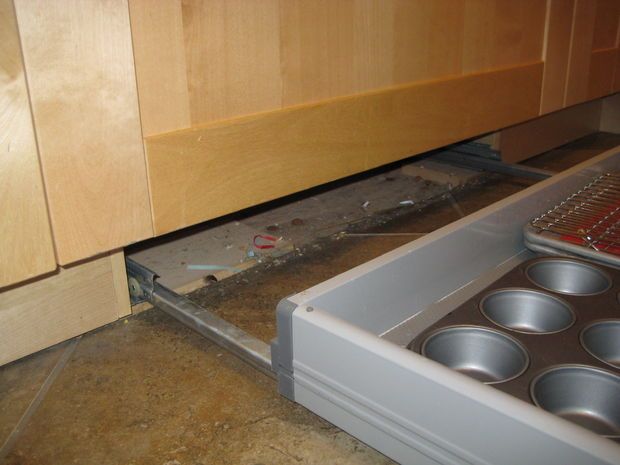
point(546, 132)
point(215, 169)
point(53, 309)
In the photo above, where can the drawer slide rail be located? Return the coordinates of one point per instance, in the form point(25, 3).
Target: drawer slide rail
point(143, 286)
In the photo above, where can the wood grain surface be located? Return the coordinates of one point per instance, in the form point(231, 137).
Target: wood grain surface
point(219, 168)
point(69, 303)
point(220, 59)
point(79, 62)
point(26, 248)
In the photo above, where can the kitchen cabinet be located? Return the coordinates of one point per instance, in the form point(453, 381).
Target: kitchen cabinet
point(581, 64)
point(581, 52)
point(151, 119)
point(128, 119)
point(244, 101)
point(593, 53)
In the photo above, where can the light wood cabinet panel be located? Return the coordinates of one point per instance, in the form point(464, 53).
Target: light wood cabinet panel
point(233, 57)
point(271, 61)
point(335, 48)
point(58, 307)
point(604, 48)
point(502, 33)
point(219, 59)
point(81, 78)
point(606, 24)
point(218, 168)
point(582, 37)
point(26, 248)
point(428, 38)
point(593, 48)
point(159, 52)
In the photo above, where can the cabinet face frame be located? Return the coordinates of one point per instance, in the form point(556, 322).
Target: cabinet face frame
point(26, 248)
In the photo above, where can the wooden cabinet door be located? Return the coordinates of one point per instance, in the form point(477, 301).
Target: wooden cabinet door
point(581, 52)
point(593, 50)
point(79, 61)
point(26, 248)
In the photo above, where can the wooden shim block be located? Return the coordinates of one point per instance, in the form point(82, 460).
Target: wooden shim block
point(209, 171)
point(528, 139)
point(73, 301)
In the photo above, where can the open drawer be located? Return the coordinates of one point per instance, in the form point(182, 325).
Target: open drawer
point(341, 349)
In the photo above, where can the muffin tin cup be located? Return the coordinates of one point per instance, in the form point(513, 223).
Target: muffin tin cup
point(560, 314)
point(527, 311)
point(568, 276)
point(484, 354)
point(584, 395)
point(602, 340)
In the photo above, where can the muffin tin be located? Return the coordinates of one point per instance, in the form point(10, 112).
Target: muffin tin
point(547, 332)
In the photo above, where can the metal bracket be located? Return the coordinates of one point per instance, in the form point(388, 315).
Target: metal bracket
point(143, 286)
point(141, 282)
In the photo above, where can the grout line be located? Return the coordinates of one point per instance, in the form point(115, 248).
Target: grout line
point(38, 398)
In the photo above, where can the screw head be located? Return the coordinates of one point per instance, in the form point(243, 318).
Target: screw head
point(309, 309)
point(134, 287)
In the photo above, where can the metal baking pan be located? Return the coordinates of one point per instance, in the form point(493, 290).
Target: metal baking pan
point(548, 333)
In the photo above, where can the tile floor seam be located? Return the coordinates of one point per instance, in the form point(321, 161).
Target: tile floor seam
point(21, 425)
